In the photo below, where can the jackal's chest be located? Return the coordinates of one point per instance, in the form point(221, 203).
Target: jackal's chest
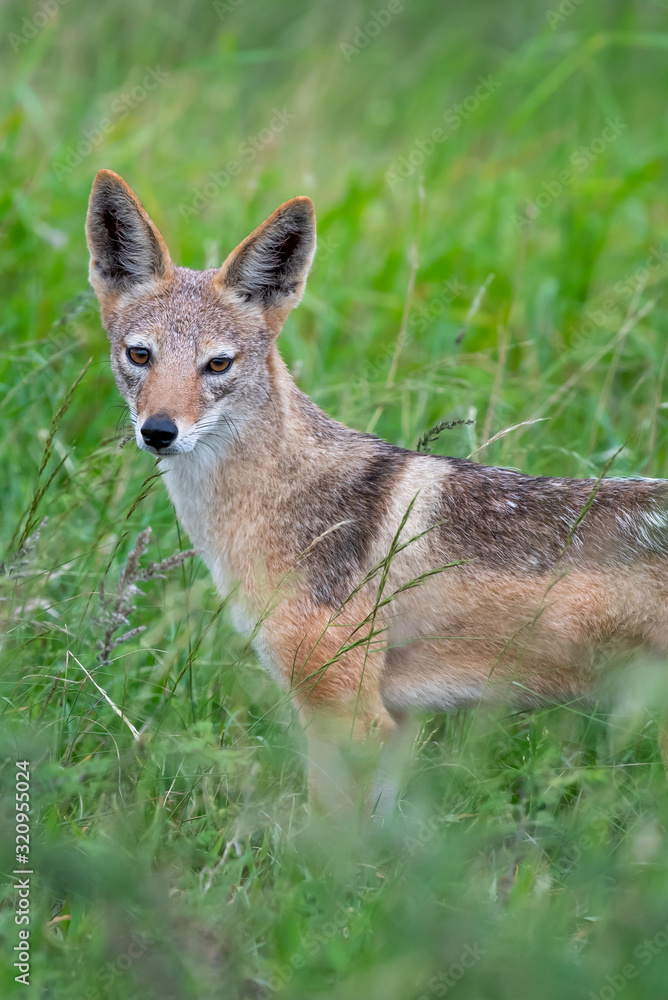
point(210, 520)
point(219, 526)
point(195, 494)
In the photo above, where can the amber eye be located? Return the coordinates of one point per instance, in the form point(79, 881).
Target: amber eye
point(219, 364)
point(139, 355)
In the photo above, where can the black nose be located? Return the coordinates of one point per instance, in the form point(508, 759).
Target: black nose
point(159, 431)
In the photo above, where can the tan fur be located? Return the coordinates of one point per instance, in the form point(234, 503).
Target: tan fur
point(527, 587)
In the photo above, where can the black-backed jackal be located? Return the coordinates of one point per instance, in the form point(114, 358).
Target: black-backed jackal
point(372, 579)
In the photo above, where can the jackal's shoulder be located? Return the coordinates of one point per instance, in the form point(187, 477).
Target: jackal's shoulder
point(494, 517)
point(490, 516)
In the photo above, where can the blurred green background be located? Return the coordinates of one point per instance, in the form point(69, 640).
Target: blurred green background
point(490, 181)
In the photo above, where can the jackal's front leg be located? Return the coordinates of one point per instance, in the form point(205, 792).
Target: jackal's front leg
point(333, 663)
point(346, 758)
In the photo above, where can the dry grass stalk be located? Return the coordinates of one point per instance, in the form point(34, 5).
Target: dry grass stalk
point(117, 609)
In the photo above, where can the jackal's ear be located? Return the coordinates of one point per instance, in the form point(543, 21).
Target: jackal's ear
point(269, 268)
point(126, 249)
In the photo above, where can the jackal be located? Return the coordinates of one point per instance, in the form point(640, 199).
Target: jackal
point(373, 580)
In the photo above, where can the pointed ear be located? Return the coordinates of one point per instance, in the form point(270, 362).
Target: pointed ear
point(269, 268)
point(126, 249)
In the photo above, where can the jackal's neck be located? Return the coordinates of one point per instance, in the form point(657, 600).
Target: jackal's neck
point(293, 435)
point(300, 428)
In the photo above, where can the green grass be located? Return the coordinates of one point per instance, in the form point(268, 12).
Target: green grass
point(532, 847)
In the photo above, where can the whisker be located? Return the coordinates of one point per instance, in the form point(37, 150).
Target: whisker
point(270, 398)
point(231, 425)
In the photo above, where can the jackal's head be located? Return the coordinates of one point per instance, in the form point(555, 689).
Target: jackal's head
point(192, 351)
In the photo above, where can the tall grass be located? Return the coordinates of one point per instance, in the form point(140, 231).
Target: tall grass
point(485, 290)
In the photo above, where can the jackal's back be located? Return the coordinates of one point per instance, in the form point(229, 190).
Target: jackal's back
point(490, 519)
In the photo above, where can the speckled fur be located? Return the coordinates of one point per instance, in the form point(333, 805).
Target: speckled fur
point(291, 510)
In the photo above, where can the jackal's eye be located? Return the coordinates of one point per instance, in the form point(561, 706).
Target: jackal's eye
point(218, 365)
point(139, 355)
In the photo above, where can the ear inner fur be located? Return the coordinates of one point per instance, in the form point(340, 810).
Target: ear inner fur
point(269, 268)
point(126, 248)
